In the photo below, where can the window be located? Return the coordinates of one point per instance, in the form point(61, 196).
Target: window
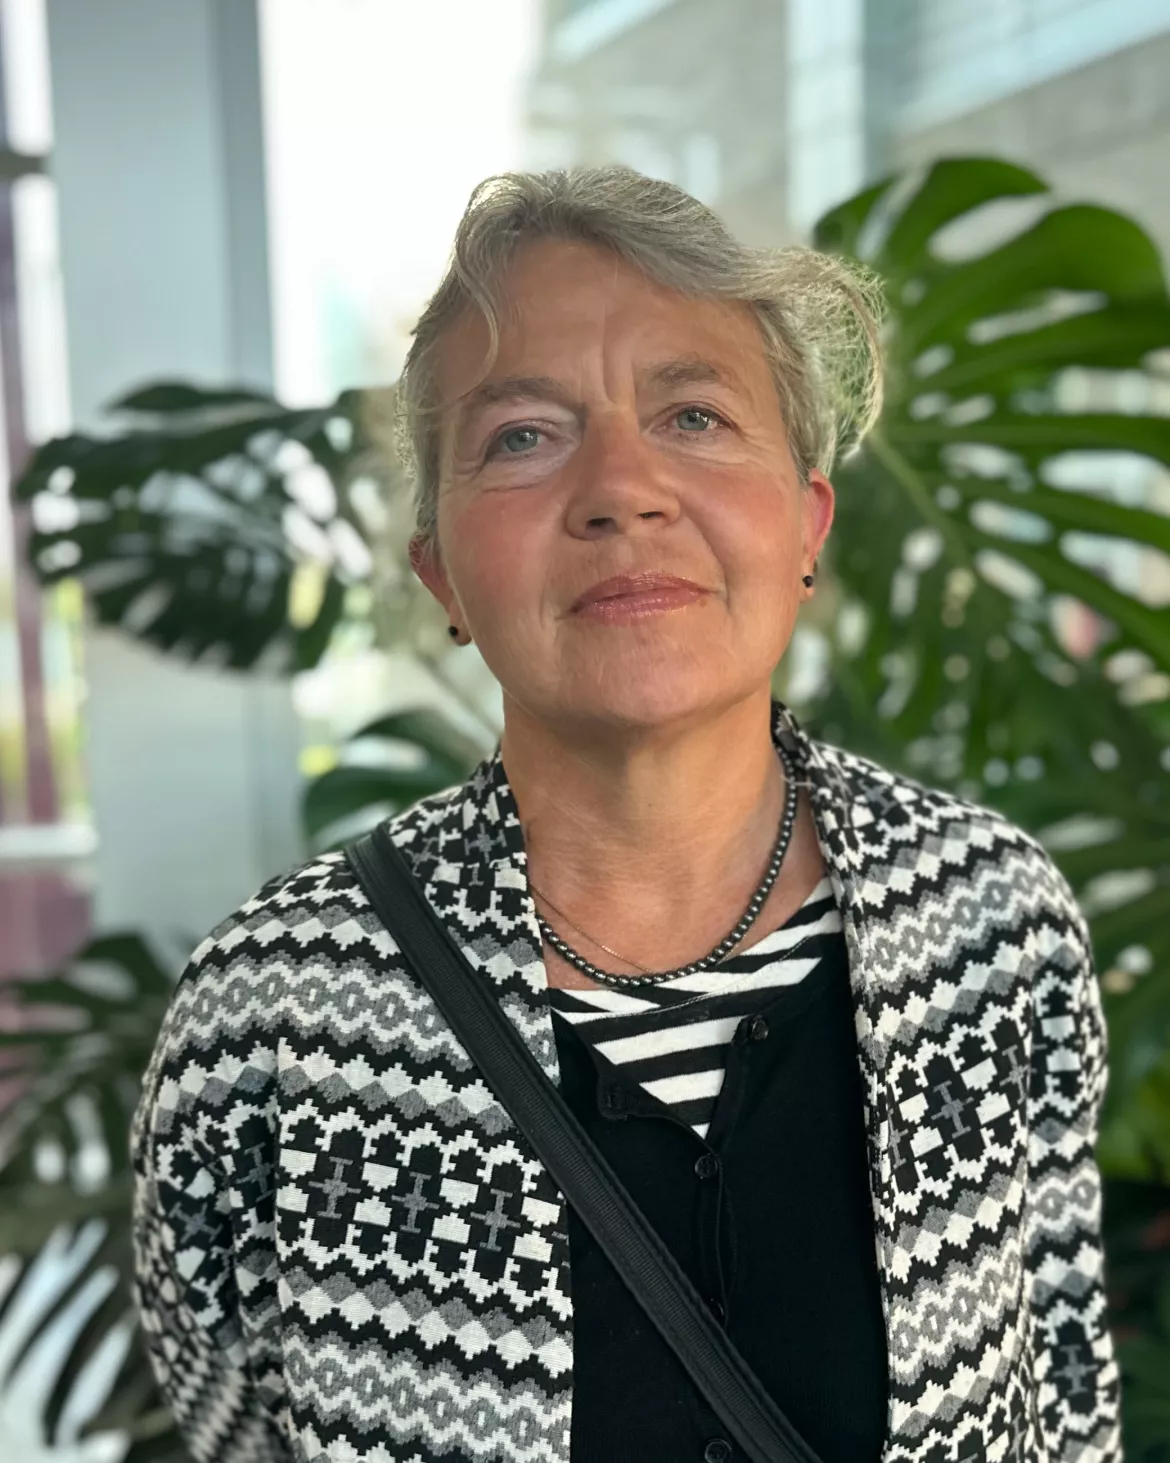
point(952, 57)
point(587, 24)
point(46, 830)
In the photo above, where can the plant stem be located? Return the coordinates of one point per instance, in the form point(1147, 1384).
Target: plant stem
point(439, 674)
point(897, 466)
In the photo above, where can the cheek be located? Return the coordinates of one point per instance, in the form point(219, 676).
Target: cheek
point(757, 536)
point(498, 557)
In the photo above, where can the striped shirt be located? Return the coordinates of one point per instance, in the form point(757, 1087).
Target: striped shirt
point(670, 1038)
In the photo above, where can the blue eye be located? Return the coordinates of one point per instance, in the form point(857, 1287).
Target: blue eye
point(512, 432)
point(700, 411)
point(497, 447)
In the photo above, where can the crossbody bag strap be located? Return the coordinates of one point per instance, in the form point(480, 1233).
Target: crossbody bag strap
point(578, 1167)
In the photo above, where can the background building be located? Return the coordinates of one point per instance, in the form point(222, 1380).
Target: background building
point(773, 110)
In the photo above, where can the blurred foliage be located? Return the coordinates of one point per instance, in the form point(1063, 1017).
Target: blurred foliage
point(1027, 351)
point(1027, 346)
point(385, 766)
point(75, 1044)
point(202, 524)
point(1137, 1232)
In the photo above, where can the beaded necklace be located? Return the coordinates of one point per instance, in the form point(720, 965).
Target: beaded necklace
point(725, 946)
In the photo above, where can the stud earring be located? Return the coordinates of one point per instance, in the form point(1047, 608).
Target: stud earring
point(453, 632)
point(808, 580)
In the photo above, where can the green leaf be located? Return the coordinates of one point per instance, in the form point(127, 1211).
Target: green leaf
point(62, 1300)
point(110, 1313)
point(356, 793)
point(1038, 438)
point(1081, 511)
point(1146, 629)
point(428, 729)
point(1078, 248)
point(95, 1060)
point(45, 1207)
point(1139, 1025)
point(186, 534)
point(1119, 338)
point(135, 1406)
point(839, 230)
point(344, 791)
point(312, 641)
point(180, 396)
point(953, 187)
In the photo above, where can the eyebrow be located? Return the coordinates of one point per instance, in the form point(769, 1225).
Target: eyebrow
point(683, 371)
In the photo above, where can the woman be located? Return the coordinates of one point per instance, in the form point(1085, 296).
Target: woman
point(838, 1033)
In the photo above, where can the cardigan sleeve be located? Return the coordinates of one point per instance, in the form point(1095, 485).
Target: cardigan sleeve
point(193, 1255)
point(1076, 1371)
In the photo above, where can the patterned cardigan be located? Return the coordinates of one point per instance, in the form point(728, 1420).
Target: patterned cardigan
point(346, 1250)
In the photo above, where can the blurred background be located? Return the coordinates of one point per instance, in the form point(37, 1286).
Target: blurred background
point(261, 194)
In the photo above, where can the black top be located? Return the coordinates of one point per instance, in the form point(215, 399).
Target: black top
point(769, 1214)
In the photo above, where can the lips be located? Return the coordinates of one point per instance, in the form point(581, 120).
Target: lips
point(622, 585)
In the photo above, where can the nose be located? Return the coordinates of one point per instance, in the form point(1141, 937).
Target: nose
point(621, 482)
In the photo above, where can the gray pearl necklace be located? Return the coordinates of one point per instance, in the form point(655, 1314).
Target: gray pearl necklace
point(756, 903)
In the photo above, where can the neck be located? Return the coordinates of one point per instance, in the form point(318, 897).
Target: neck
point(652, 829)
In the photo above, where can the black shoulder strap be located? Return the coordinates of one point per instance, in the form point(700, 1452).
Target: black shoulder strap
point(589, 1184)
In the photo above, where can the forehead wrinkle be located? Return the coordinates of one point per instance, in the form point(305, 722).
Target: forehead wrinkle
point(513, 389)
point(690, 371)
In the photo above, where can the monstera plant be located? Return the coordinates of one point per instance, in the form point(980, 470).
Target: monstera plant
point(197, 528)
point(1025, 437)
point(82, 1040)
point(980, 505)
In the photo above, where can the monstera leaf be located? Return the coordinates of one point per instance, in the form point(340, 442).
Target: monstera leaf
point(384, 767)
point(1024, 394)
point(76, 1044)
point(218, 526)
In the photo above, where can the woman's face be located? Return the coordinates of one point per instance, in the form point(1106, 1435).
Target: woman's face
point(616, 465)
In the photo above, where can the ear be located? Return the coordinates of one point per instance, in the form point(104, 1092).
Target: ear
point(426, 563)
point(819, 504)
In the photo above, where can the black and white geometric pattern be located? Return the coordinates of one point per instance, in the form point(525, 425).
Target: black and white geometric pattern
point(347, 1252)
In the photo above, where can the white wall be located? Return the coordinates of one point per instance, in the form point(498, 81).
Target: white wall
point(159, 164)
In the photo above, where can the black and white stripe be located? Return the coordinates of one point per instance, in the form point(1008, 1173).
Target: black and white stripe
point(670, 1037)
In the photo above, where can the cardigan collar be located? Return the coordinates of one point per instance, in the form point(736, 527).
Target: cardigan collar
point(470, 858)
point(472, 863)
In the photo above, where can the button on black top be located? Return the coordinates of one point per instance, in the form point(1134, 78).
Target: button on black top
point(784, 1240)
point(718, 1450)
point(751, 1028)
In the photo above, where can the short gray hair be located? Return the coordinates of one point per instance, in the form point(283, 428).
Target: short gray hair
point(819, 316)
